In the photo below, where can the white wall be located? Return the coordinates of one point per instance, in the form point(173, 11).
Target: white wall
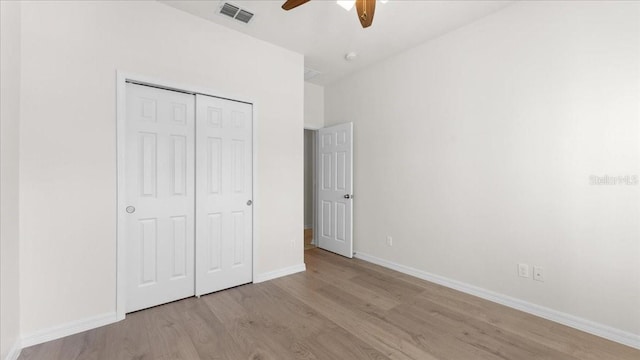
point(9, 182)
point(313, 119)
point(474, 152)
point(313, 106)
point(308, 177)
point(71, 51)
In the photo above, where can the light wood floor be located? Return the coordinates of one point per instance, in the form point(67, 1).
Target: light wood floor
point(338, 309)
point(308, 237)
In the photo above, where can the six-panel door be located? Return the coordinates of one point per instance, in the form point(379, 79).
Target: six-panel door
point(335, 185)
point(224, 194)
point(159, 191)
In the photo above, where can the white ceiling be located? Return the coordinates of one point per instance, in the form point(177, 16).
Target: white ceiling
point(324, 32)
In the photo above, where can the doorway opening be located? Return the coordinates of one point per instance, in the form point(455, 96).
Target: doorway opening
point(328, 187)
point(309, 188)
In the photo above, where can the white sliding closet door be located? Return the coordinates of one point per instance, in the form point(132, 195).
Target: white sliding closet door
point(159, 176)
point(224, 195)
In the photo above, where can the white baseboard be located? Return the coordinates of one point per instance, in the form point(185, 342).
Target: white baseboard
point(75, 327)
point(604, 331)
point(67, 329)
point(14, 352)
point(279, 273)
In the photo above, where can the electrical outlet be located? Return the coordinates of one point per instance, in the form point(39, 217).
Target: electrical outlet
point(389, 241)
point(523, 270)
point(538, 273)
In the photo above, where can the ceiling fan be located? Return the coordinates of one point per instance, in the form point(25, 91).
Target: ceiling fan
point(365, 9)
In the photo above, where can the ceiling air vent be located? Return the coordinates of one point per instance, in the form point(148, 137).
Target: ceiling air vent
point(235, 12)
point(244, 16)
point(310, 73)
point(229, 10)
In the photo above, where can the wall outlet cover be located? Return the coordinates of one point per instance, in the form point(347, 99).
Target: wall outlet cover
point(538, 273)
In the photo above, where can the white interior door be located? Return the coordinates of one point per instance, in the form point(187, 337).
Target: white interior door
point(334, 208)
point(159, 177)
point(224, 194)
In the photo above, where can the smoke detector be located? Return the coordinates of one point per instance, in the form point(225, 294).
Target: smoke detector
point(350, 56)
point(235, 12)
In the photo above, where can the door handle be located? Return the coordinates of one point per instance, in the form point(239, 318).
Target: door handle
point(249, 202)
point(130, 209)
point(348, 196)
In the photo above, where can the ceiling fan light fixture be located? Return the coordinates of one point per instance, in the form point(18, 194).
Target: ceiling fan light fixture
point(346, 4)
point(364, 8)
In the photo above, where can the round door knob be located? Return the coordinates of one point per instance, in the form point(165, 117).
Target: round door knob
point(130, 209)
point(249, 202)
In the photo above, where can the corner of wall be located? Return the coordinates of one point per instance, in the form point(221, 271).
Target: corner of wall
point(313, 106)
point(279, 273)
point(14, 351)
point(10, 42)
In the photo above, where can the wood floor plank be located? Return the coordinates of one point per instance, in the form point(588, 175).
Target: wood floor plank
point(86, 345)
point(167, 333)
point(424, 341)
point(384, 299)
point(126, 340)
point(389, 286)
point(208, 334)
point(364, 326)
point(338, 309)
point(337, 343)
point(253, 328)
point(278, 307)
point(463, 331)
point(560, 337)
point(48, 350)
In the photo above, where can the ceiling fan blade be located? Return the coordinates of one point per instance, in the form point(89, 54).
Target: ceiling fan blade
point(290, 4)
point(366, 9)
